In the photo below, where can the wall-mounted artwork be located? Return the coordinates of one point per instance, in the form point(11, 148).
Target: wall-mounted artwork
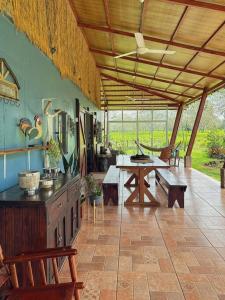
point(33, 132)
point(63, 130)
point(99, 132)
point(50, 115)
point(9, 86)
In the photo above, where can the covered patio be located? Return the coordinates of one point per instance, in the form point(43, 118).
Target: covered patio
point(157, 253)
point(192, 68)
point(133, 227)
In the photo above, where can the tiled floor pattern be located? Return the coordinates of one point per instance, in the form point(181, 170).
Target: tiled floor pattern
point(157, 253)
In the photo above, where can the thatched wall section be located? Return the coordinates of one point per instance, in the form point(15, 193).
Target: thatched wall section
point(51, 24)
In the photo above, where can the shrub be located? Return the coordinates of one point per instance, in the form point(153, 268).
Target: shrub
point(216, 144)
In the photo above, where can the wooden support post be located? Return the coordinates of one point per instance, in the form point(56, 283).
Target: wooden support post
point(222, 178)
point(107, 127)
point(187, 158)
point(176, 125)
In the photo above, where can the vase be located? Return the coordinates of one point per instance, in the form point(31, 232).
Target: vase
point(95, 198)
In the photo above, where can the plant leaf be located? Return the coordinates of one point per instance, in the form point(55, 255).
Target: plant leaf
point(65, 163)
point(71, 161)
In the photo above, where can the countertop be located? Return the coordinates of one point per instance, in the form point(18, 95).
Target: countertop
point(14, 196)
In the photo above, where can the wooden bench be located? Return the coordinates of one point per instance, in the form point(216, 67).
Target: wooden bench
point(174, 187)
point(110, 186)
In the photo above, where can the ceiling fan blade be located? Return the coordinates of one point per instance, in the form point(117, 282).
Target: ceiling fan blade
point(125, 54)
point(156, 51)
point(139, 40)
point(130, 98)
point(141, 99)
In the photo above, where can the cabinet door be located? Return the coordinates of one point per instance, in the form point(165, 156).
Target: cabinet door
point(53, 241)
point(56, 239)
point(73, 222)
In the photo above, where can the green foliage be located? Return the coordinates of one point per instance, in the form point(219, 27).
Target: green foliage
point(54, 152)
point(67, 164)
point(70, 165)
point(94, 188)
point(200, 154)
point(216, 143)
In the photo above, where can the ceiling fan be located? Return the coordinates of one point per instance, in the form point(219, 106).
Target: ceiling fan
point(142, 49)
point(136, 99)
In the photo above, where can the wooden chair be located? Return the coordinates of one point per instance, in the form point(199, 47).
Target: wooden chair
point(175, 156)
point(43, 291)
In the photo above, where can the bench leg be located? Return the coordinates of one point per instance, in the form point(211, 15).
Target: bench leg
point(174, 195)
point(111, 193)
point(171, 198)
point(157, 179)
point(115, 195)
point(180, 199)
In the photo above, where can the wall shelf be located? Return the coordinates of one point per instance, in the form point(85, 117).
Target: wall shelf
point(21, 150)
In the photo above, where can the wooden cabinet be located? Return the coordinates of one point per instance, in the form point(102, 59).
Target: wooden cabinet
point(49, 219)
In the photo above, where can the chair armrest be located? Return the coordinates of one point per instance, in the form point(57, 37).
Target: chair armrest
point(47, 250)
point(43, 254)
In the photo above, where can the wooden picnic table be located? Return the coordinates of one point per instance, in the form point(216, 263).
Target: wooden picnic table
point(139, 170)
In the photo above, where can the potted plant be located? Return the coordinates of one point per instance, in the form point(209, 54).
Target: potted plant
point(94, 190)
point(70, 164)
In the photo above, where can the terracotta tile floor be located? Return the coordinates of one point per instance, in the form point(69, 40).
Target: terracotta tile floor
point(157, 253)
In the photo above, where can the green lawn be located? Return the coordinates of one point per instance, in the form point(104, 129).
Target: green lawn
point(199, 154)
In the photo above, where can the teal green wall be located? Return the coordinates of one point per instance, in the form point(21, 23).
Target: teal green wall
point(38, 79)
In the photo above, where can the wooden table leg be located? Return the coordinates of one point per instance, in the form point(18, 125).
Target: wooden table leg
point(131, 198)
point(141, 186)
point(146, 183)
point(141, 189)
point(153, 202)
point(129, 181)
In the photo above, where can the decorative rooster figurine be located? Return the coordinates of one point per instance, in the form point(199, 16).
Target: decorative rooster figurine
point(32, 132)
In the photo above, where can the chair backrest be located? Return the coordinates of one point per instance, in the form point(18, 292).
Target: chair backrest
point(39, 260)
point(4, 273)
point(1, 256)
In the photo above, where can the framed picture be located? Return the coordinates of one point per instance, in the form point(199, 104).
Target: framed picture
point(63, 130)
point(9, 87)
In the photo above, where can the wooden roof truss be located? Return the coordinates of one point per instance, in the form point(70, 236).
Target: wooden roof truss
point(194, 29)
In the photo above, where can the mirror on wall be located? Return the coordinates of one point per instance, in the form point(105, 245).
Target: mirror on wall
point(63, 130)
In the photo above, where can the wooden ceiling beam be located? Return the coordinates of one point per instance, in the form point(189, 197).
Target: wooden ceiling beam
point(107, 17)
point(141, 95)
point(140, 87)
point(113, 85)
point(131, 90)
point(152, 39)
point(171, 93)
point(152, 63)
point(213, 89)
point(142, 108)
point(126, 95)
point(102, 88)
point(147, 77)
point(139, 105)
point(204, 44)
point(136, 100)
point(200, 4)
point(172, 37)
